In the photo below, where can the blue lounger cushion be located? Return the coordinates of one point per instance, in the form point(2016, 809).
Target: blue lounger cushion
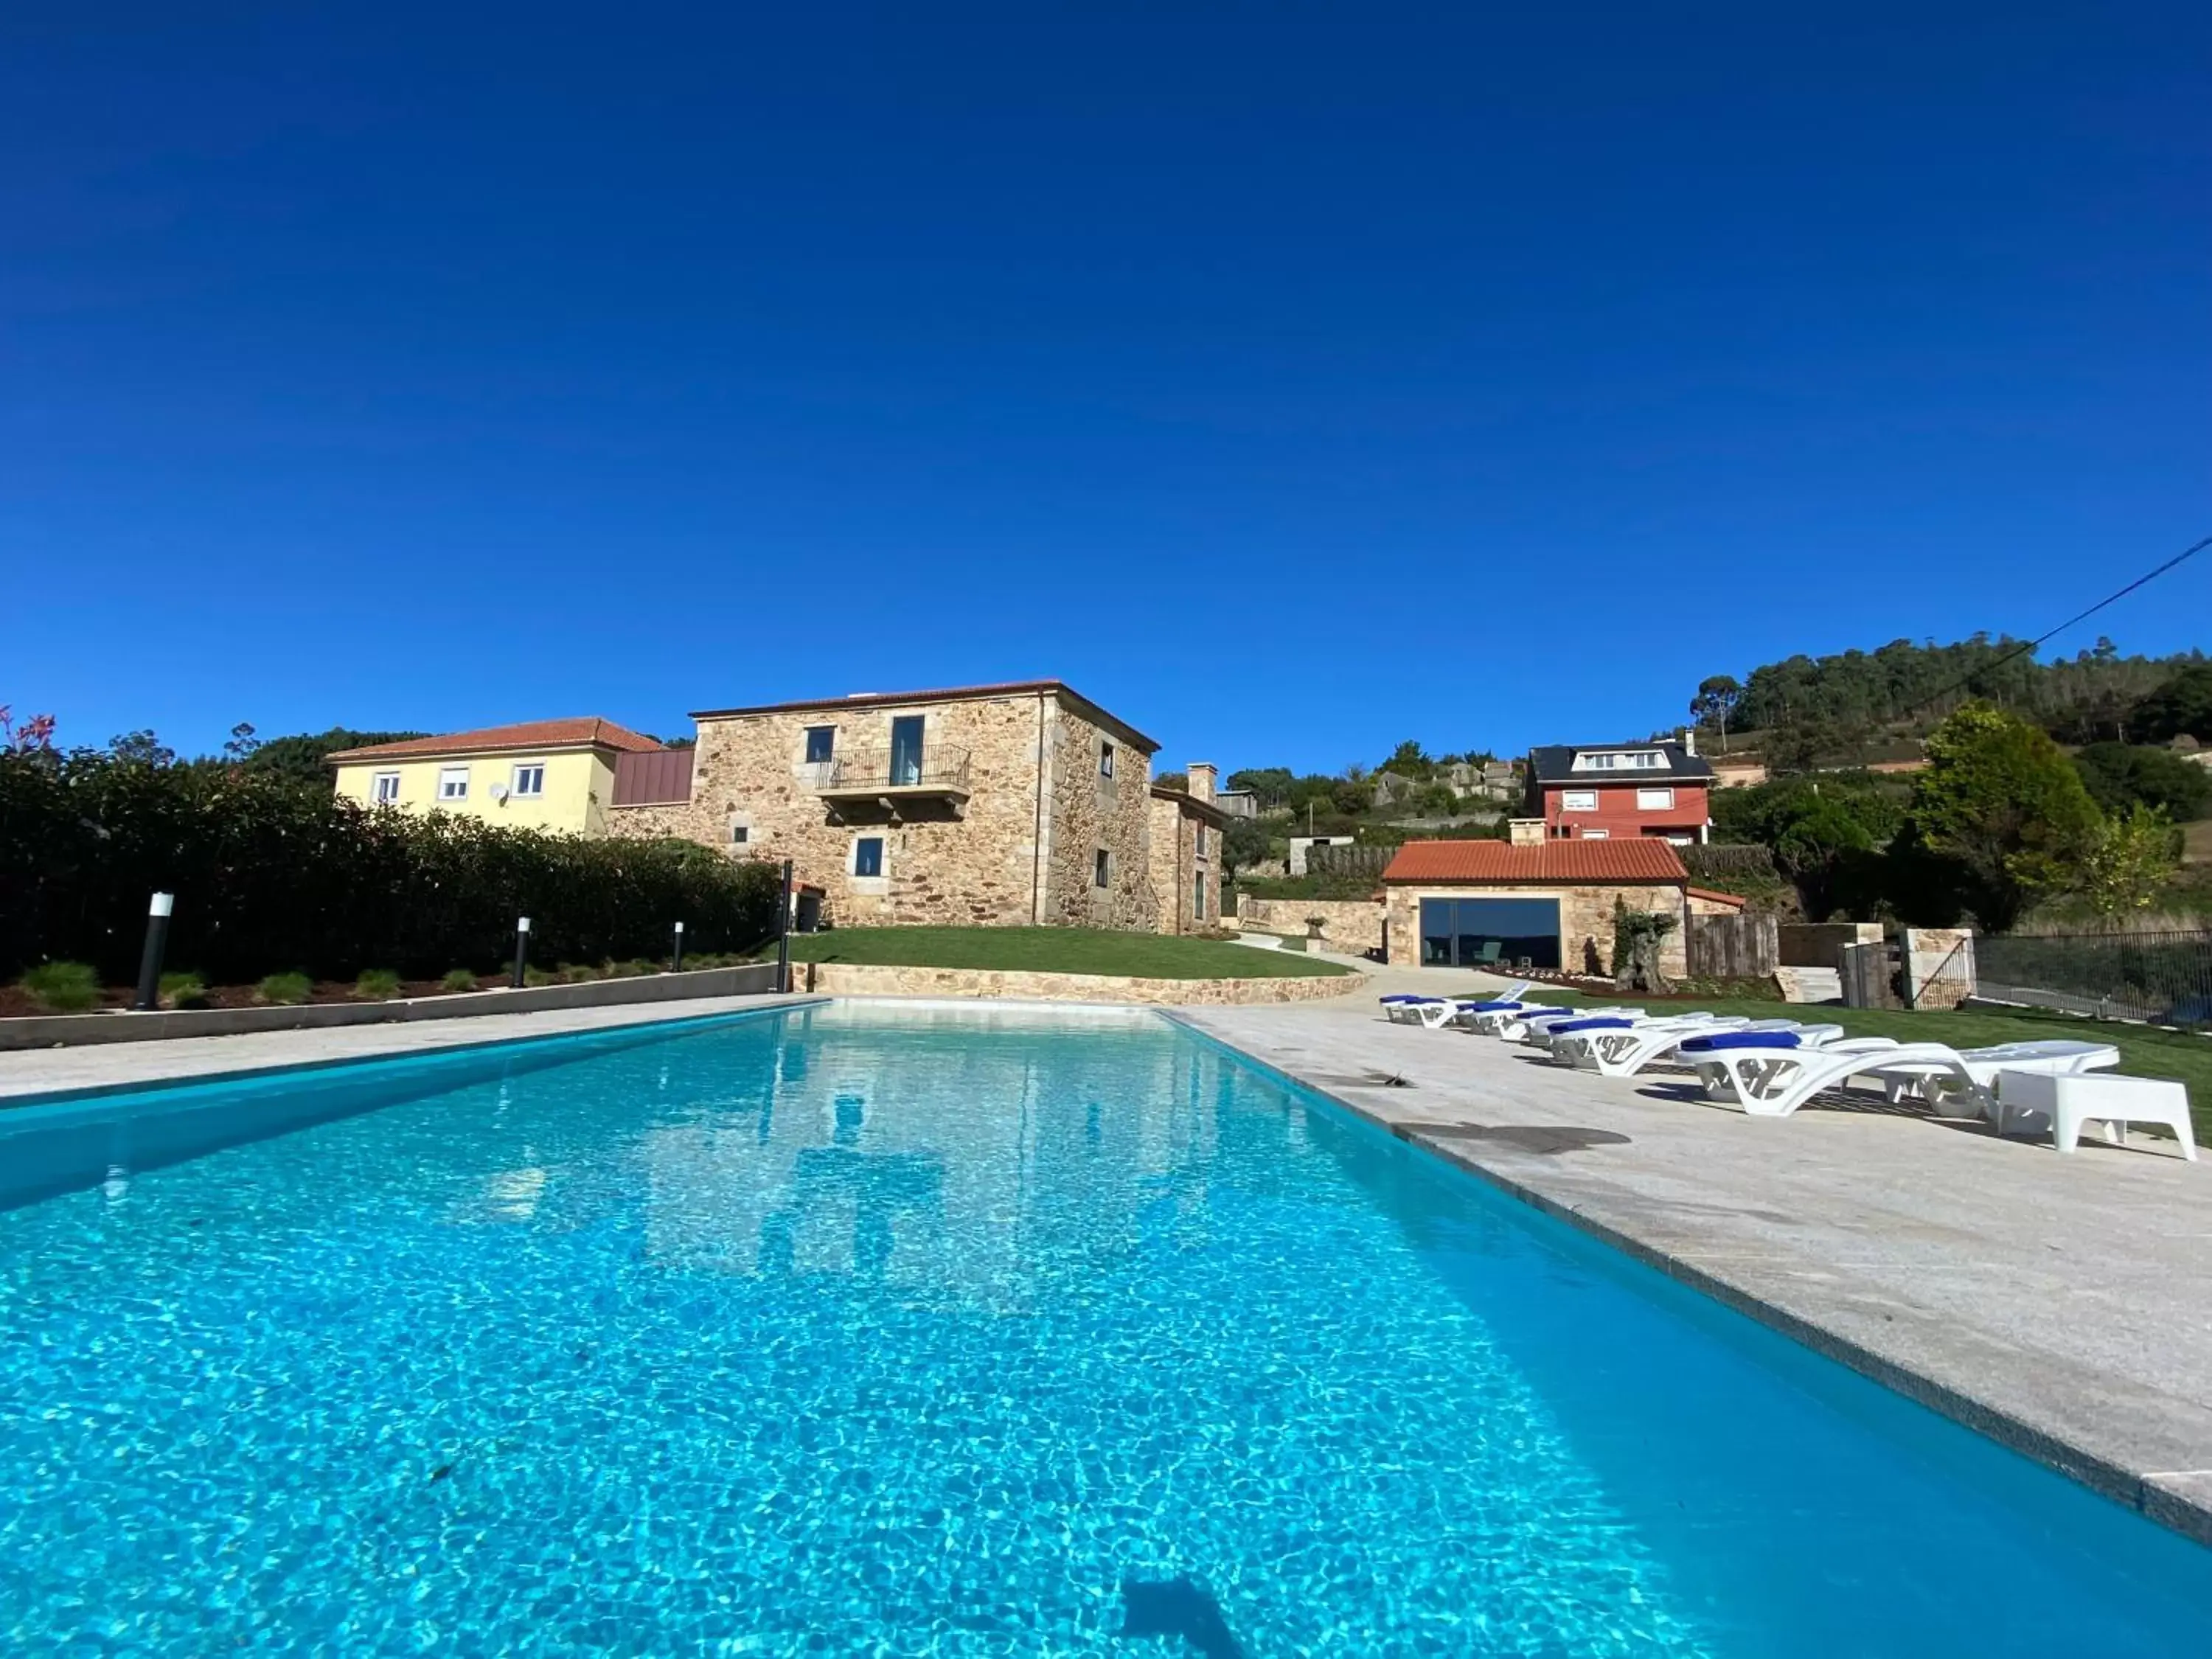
point(1599, 1023)
point(1706, 1045)
point(1495, 1007)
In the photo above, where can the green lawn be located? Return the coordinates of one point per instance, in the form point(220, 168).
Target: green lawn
point(1055, 950)
point(2144, 1050)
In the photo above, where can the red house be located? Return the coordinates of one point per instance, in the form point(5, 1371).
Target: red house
point(1617, 790)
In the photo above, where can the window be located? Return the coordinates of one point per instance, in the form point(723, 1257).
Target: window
point(1198, 899)
point(1597, 835)
point(821, 743)
point(1102, 869)
point(1105, 760)
point(1655, 800)
point(384, 789)
point(453, 783)
point(1202, 841)
point(1578, 800)
point(868, 856)
point(1614, 760)
point(530, 779)
point(739, 835)
point(906, 749)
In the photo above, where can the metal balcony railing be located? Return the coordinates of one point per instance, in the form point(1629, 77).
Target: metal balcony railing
point(937, 769)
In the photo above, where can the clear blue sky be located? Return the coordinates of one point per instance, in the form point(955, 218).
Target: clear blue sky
point(1291, 378)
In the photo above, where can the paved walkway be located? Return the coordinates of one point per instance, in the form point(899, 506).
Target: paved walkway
point(2062, 1305)
point(36, 1071)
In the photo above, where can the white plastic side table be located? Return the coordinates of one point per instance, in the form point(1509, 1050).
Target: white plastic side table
point(2068, 1100)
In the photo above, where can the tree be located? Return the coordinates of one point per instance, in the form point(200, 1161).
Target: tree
point(1173, 780)
point(2127, 863)
point(2000, 799)
point(36, 732)
point(2119, 775)
point(301, 757)
point(141, 747)
point(1408, 760)
point(2180, 708)
point(1718, 696)
point(1270, 785)
point(242, 743)
point(1245, 843)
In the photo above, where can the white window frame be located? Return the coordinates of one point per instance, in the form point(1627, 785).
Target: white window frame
point(1597, 834)
point(522, 769)
point(1661, 800)
point(1578, 800)
point(447, 777)
point(883, 858)
point(384, 789)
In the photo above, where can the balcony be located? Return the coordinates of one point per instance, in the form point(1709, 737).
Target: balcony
point(895, 784)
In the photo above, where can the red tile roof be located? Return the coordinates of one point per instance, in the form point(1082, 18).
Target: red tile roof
point(587, 729)
point(1736, 900)
point(1498, 864)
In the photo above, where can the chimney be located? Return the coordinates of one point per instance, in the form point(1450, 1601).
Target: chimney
point(1525, 832)
point(1690, 741)
point(1201, 773)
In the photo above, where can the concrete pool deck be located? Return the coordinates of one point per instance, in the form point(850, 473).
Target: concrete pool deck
point(2060, 1304)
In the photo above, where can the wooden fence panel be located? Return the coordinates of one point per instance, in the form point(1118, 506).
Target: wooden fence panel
point(1734, 947)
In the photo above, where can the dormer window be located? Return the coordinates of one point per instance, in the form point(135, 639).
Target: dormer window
point(1619, 760)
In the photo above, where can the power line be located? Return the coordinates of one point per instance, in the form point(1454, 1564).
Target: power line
point(1968, 678)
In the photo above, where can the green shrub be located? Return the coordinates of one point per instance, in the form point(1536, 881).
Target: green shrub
point(458, 979)
point(577, 973)
point(184, 990)
point(635, 968)
point(376, 985)
point(64, 987)
point(538, 976)
point(287, 989)
point(269, 872)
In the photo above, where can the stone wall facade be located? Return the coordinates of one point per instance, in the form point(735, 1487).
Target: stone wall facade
point(1585, 920)
point(1186, 865)
point(1018, 849)
point(1352, 927)
point(852, 979)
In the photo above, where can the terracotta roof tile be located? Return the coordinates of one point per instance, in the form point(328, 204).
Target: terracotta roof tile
point(529, 734)
point(1496, 863)
point(1711, 898)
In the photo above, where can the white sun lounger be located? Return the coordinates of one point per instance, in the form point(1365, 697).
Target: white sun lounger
point(1537, 1033)
point(1625, 1054)
point(1564, 1042)
point(1774, 1083)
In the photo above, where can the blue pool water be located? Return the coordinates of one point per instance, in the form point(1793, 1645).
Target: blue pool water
point(920, 1333)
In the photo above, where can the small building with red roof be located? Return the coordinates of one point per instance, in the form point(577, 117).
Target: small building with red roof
point(1542, 903)
point(556, 774)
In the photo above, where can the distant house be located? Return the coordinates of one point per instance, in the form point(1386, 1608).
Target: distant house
point(1237, 803)
point(1738, 771)
point(1550, 903)
point(540, 774)
point(1601, 792)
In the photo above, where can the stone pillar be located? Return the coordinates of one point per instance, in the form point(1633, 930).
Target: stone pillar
point(1525, 832)
point(1201, 773)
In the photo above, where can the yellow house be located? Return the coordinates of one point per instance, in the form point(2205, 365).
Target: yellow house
point(541, 774)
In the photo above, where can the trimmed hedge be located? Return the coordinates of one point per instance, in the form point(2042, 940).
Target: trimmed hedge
point(271, 877)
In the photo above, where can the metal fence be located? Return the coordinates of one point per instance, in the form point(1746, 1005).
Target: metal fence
point(2164, 978)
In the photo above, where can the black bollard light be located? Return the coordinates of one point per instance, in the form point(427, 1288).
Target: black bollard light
point(675, 964)
point(783, 934)
point(521, 949)
point(157, 941)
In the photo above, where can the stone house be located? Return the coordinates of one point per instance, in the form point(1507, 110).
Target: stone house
point(1478, 903)
point(1016, 804)
point(1186, 853)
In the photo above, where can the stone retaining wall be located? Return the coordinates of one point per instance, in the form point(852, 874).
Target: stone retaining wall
point(854, 979)
point(1351, 927)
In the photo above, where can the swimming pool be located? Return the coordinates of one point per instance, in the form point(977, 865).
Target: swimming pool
point(867, 1330)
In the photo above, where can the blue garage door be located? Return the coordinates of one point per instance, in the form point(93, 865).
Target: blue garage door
point(1490, 932)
